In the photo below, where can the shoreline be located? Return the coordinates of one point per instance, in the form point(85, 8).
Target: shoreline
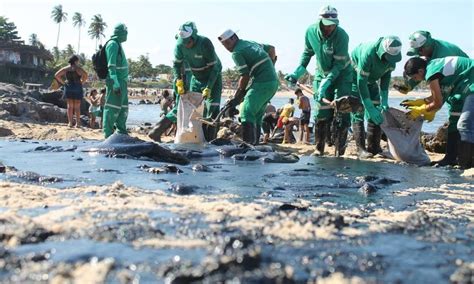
point(290, 94)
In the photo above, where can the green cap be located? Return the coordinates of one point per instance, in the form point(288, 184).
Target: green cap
point(390, 48)
point(328, 16)
point(419, 39)
point(186, 32)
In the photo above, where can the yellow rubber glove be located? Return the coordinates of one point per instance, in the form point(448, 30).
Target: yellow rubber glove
point(429, 116)
point(409, 103)
point(417, 111)
point(180, 86)
point(206, 93)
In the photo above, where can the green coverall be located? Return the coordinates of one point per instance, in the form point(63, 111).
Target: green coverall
point(372, 63)
point(333, 63)
point(369, 68)
point(206, 71)
point(116, 99)
point(252, 59)
point(442, 49)
point(456, 79)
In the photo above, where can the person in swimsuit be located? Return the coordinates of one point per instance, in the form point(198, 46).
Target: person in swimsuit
point(73, 91)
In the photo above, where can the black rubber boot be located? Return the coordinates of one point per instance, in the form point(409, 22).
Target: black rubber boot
point(359, 137)
point(466, 155)
point(341, 141)
point(320, 132)
point(258, 132)
point(210, 132)
point(374, 132)
point(452, 146)
point(159, 129)
point(330, 132)
point(248, 133)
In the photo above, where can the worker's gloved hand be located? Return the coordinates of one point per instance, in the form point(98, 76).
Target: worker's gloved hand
point(180, 86)
point(323, 88)
point(293, 77)
point(404, 89)
point(409, 103)
point(237, 98)
point(429, 116)
point(417, 111)
point(384, 100)
point(206, 93)
point(372, 112)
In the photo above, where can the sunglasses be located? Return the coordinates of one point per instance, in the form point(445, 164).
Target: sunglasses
point(329, 16)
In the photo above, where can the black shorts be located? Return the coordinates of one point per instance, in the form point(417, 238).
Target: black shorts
point(305, 117)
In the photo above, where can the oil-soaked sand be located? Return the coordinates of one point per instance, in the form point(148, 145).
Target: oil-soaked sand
point(108, 220)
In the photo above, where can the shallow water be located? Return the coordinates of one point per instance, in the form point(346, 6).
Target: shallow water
point(392, 257)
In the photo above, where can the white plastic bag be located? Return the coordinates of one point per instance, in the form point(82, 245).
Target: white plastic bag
point(189, 128)
point(403, 136)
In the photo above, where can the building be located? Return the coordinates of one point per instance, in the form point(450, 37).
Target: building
point(22, 63)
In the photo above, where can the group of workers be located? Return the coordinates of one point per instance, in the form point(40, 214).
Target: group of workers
point(365, 73)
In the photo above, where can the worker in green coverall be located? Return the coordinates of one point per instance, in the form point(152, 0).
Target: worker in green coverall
point(198, 52)
point(333, 76)
point(372, 62)
point(449, 77)
point(254, 62)
point(116, 99)
point(422, 44)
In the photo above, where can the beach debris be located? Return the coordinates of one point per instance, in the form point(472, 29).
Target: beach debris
point(182, 189)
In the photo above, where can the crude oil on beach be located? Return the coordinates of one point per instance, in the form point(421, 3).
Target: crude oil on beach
point(68, 215)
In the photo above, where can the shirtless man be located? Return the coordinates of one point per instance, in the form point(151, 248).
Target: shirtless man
point(305, 107)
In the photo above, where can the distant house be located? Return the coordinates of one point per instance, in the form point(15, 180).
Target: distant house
point(22, 63)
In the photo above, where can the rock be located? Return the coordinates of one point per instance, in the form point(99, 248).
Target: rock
point(436, 142)
point(5, 132)
point(28, 108)
point(2, 168)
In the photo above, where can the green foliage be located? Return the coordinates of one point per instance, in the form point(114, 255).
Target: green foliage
point(163, 69)
point(78, 20)
point(230, 75)
point(58, 15)
point(8, 30)
point(97, 28)
point(34, 41)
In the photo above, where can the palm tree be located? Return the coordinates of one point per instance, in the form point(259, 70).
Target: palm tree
point(58, 16)
point(78, 21)
point(96, 28)
point(33, 40)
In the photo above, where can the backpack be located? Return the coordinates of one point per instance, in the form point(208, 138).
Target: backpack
point(99, 61)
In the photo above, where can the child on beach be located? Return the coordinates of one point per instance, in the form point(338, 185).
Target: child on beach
point(94, 108)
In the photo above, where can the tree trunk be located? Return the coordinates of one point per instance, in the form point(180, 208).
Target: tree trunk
point(79, 41)
point(57, 38)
